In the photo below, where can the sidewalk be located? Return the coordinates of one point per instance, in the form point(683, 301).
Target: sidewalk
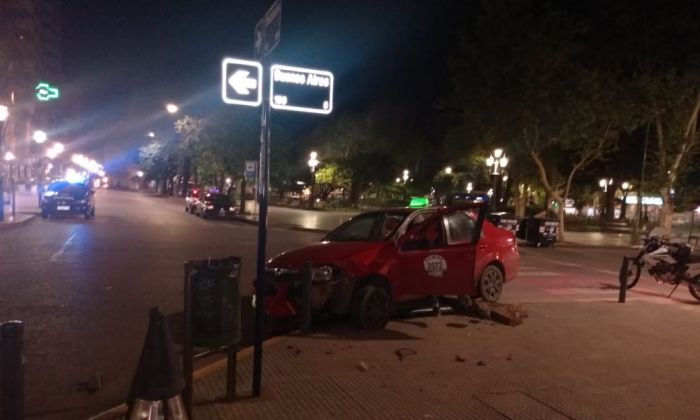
point(567, 360)
point(26, 209)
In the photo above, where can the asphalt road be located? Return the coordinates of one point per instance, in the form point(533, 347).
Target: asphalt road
point(84, 288)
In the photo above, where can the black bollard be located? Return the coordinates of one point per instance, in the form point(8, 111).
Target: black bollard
point(623, 279)
point(306, 298)
point(11, 371)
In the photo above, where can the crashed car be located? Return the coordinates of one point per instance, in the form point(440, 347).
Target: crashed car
point(382, 258)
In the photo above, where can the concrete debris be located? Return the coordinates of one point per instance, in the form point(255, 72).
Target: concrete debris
point(362, 367)
point(460, 359)
point(403, 352)
point(506, 314)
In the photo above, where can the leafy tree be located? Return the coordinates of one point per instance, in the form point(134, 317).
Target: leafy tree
point(522, 81)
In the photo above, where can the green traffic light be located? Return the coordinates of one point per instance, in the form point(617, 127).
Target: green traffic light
point(46, 92)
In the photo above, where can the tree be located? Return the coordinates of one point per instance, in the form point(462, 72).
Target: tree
point(331, 177)
point(522, 80)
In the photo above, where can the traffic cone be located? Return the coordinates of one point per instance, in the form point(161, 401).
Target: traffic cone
point(158, 382)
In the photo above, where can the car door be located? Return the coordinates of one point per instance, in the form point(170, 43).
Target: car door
point(438, 257)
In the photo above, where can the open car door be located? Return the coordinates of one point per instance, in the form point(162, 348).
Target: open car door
point(438, 256)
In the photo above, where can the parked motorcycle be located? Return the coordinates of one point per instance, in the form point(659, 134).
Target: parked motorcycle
point(669, 262)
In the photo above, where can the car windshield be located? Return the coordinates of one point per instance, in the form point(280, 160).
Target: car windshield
point(66, 188)
point(370, 227)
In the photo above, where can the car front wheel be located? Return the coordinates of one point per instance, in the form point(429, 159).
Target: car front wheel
point(371, 308)
point(491, 284)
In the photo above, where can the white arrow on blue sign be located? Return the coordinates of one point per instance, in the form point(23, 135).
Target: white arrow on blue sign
point(241, 82)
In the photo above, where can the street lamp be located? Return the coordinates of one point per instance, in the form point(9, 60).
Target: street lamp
point(448, 170)
point(40, 136)
point(405, 176)
point(626, 187)
point(172, 108)
point(4, 115)
point(603, 183)
point(470, 187)
point(139, 174)
point(497, 162)
point(313, 163)
point(151, 134)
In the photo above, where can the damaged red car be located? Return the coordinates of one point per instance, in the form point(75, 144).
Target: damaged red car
point(380, 259)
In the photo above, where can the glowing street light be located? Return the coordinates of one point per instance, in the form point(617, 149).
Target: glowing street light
point(55, 150)
point(40, 136)
point(497, 162)
point(4, 113)
point(448, 170)
point(172, 108)
point(313, 162)
point(470, 187)
point(9, 156)
point(139, 174)
point(151, 134)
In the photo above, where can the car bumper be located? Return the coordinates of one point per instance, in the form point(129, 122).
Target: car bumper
point(222, 213)
point(67, 209)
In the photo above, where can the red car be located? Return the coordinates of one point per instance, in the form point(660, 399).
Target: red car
point(380, 258)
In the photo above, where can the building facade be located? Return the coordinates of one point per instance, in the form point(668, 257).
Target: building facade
point(30, 53)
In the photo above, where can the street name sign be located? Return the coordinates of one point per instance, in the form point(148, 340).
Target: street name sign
point(301, 89)
point(268, 30)
point(241, 82)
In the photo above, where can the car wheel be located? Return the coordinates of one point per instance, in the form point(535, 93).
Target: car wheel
point(371, 308)
point(491, 284)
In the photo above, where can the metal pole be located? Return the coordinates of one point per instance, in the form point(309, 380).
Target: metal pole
point(11, 371)
point(187, 347)
point(640, 191)
point(692, 221)
point(12, 185)
point(2, 170)
point(263, 181)
point(306, 298)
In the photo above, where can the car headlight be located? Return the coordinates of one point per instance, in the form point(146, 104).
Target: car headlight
point(322, 273)
point(50, 193)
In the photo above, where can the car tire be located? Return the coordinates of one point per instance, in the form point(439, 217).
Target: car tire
point(371, 308)
point(491, 283)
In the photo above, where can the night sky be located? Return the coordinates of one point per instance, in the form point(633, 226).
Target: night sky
point(124, 59)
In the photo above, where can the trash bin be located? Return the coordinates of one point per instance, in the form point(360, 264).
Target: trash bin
point(538, 232)
point(503, 220)
point(215, 302)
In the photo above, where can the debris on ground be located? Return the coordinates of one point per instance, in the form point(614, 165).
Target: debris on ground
point(480, 363)
point(509, 358)
point(328, 353)
point(362, 367)
point(92, 385)
point(473, 321)
point(506, 314)
point(460, 359)
point(295, 350)
point(456, 325)
point(403, 352)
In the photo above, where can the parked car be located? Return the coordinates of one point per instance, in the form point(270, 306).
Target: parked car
point(63, 198)
point(382, 258)
point(215, 205)
point(191, 200)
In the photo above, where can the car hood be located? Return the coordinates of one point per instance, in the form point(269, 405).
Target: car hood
point(323, 253)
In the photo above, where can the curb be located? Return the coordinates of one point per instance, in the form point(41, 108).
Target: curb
point(288, 227)
point(197, 375)
point(12, 225)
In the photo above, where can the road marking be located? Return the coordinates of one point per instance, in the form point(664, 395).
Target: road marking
point(566, 264)
point(56, 255)
point(540, 274)
point(610, 272)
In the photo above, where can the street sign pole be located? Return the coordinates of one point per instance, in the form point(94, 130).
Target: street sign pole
point(263, 47)
point(263, 182)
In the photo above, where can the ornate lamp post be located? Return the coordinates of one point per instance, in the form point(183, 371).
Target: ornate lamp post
point(313, 163)
point(497, 162)
point(604, 183)
point(626, 187)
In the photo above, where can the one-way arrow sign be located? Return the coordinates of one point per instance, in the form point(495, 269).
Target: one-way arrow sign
point(241, 82)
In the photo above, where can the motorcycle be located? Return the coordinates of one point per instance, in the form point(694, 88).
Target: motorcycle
point(668, 262)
